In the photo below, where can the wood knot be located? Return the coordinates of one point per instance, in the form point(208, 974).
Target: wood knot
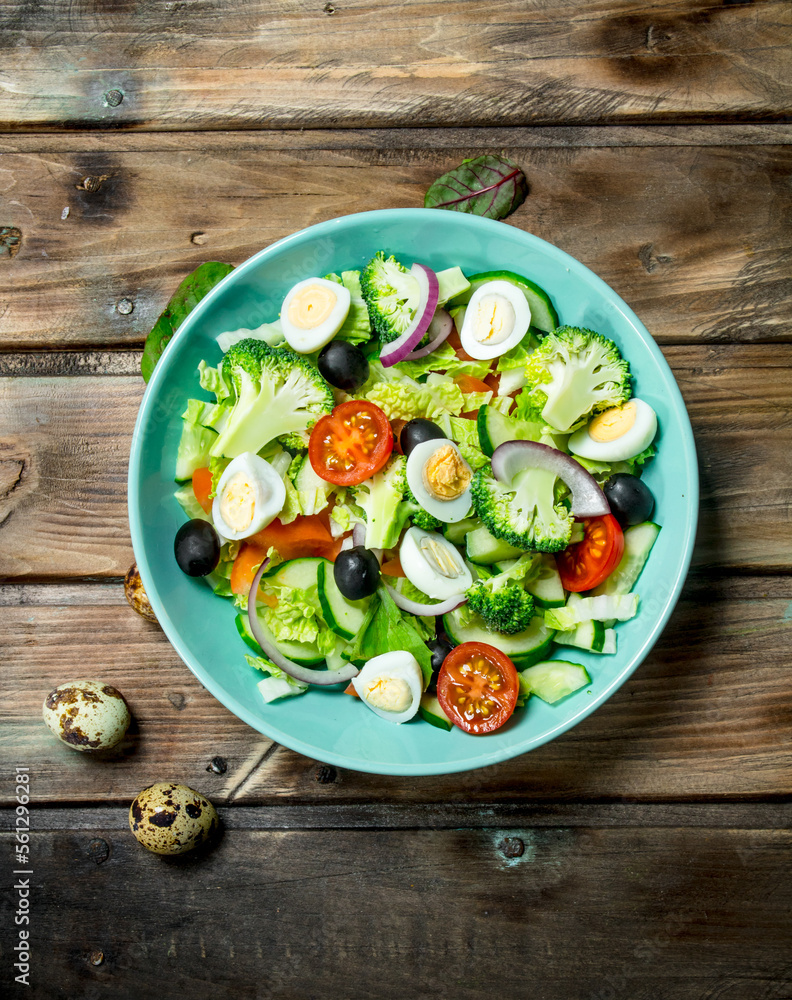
point(91, 183)
point(10, 239)
point(177, 699)
point(96, 957)
point(329, 8)
point(512, 847)
point(199, 239)
point(98, 850)
point(326, 774)
point(650, 259)
point(217, 765)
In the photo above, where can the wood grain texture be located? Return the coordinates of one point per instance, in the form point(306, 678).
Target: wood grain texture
point(431, 62)
point(694, 237)
point(595, 914)
point(64, 447)
point(704, 717)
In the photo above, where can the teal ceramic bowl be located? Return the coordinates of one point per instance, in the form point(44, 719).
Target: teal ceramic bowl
point(327, 725)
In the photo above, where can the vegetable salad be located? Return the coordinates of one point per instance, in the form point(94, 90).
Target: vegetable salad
point(420, 485)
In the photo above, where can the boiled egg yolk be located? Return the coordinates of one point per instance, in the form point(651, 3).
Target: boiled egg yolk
point(613, 423)
point(390, 694)
point(311, 306)
point(494, 320)
point(238, 502)
point(446, 474)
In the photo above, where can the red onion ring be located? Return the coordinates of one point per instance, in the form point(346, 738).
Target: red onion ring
point(429, 287)
point(512, 457)
point(439, 329)
point(305, 674)
point(424, 609)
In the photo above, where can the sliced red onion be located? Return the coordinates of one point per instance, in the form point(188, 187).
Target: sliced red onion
point(305, 674)
point(429, 288)
point(512, 457)
point(425, 609)
point(439, 329)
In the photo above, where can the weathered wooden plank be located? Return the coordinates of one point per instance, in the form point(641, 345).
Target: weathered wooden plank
point(704, 717)
point(587, 913)
point(722, 815)
point(453, 137)
point(695, 238)
point(64, 444)
point(264, 64)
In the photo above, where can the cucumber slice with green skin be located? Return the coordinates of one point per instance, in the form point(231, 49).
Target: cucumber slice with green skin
point(342, 616)
point(298, 574)
point(304, 653)
point(523, 649)
point(552, 680)
point(431, 712)
point(638, 542)
point(458, 532)
point(543, 314)
point(494, 428)
point(482, 547)
point(546, 588)
point(590, 635)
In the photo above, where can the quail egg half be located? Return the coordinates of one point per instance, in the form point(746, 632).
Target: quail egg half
point(250, 494)
point(168, 818)
point(87, 715)
point(496, 319)
point(432, 564)
point(390, 685)
point(439, 478)
point(617, 434)
point(313, 312)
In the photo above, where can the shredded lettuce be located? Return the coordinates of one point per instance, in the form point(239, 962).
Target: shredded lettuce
point(212, 380)
point(386, 628)
point(356, 328)
point(403, 399)
point(296, 618)
point(443, 359)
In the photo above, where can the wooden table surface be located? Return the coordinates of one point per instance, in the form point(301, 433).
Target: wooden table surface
point(645, 853)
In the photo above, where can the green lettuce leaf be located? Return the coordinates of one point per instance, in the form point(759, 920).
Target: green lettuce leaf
point(356, 328)
point(277, 683)
point(185, 299)
point(443, 359)
point(386, 628)
point(403, 399)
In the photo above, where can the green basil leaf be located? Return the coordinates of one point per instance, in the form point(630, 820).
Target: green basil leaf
point(491, 185)
point(188, 295)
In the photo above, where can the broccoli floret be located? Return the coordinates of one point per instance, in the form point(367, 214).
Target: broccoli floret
point(525, 513)
point(391, 294)
point(380, 498)
point(420, 518)
point(501, 600)
point(278, 393)
point(574, 373)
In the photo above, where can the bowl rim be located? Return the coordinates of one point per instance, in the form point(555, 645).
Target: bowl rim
point(481, 758)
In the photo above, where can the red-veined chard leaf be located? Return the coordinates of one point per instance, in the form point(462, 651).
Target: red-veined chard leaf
point(491, 185)
point(186, 298)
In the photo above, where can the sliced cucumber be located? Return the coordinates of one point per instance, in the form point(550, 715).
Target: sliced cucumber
point(458, 531)
point(452, 284)
point(590, 635)
point(524, 648)
point(552, 680)
point(482, 547)
point(494, 428)
point(543, 314)
point(546, 588)
point(304, 653)
point(342, 616)
point(638, 542)
point(431, 712)
point(297, 574)
point(605, 607)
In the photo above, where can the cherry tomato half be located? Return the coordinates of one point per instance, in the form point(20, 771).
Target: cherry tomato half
point(350, 444)
point(477, 687)
point(586, 564)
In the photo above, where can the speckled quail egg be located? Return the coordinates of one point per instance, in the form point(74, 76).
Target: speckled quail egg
point(168, 818)
point(87, 715)
point(136, 594)
point(313, 312)
point(439, 478)
point(496, 319)
point(391, 685)
point(617, 434)
point(432, 564)
point(250, 495)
